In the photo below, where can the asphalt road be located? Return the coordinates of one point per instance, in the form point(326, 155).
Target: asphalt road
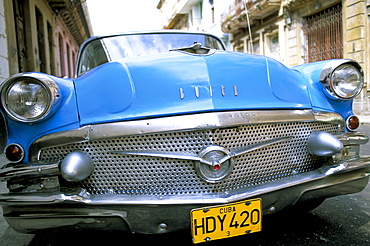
point(343, 220)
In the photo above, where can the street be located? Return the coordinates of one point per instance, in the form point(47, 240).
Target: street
point(341, 220)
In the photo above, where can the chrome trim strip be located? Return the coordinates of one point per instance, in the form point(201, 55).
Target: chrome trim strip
point(330, 117)
point(353, 138)
point(59, 138)
point(49, 169)
point(179, 123)
point(191, 157)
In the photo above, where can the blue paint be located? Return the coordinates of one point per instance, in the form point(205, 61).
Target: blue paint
point(150, 86)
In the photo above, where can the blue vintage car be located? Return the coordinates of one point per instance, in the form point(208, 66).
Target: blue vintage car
point(163, 131)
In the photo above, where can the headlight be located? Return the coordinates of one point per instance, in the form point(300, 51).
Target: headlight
point(343, 79)
point(29, 97)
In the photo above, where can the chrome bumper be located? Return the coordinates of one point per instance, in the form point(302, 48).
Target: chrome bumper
point(27, 212)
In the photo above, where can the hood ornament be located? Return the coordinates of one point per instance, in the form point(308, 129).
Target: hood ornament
point(196, 49)
point(214, 163)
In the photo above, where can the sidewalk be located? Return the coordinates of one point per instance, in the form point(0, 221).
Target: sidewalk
point(364, 119)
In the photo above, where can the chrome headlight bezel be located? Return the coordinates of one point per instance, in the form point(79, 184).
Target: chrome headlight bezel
point(331, 78)
point(50, 100)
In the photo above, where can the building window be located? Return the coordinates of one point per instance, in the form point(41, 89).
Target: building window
point(61, 56)
point(254, 47)
point(69, 65)
point(73, 62)
point(273, 46)
point(190, 17)
point(239, 48)
point(324, 35)
point(51, 48)
point(20, 26)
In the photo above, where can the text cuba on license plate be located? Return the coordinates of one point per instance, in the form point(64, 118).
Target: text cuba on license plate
point(234, 219)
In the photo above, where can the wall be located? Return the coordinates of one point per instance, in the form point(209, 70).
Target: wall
point(45, 42)
point(4, 64)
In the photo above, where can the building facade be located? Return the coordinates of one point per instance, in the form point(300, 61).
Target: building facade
point(42, 35)
point(301, 31)
point(4, 63)
point(194, 15)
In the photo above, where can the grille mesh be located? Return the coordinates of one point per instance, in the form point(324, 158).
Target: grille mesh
point(141, 175)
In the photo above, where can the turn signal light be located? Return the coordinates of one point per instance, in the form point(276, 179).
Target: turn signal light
point(14, 153)
point(352, 122)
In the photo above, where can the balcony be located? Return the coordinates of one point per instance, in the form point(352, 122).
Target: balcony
point(235, 17)
point(176, 12)
point(75, 15)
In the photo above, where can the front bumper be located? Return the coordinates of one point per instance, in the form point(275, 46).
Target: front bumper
point(28, 212)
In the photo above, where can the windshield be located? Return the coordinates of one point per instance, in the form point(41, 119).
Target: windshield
point(114, 48)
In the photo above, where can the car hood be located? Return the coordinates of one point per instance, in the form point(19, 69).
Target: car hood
point(181, 83)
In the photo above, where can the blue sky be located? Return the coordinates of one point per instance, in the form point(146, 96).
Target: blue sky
point(111, 16)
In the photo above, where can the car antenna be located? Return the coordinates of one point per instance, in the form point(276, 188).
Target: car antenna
point(249, 27)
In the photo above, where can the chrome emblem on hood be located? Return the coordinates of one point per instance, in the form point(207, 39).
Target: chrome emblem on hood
point(210, 89)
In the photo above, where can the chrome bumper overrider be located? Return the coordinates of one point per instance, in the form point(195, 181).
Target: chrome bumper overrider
point(169, 213)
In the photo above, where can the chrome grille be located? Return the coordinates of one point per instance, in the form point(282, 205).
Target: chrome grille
point(141, 175)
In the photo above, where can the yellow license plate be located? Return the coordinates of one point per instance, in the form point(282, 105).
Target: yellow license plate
point(234, 219)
